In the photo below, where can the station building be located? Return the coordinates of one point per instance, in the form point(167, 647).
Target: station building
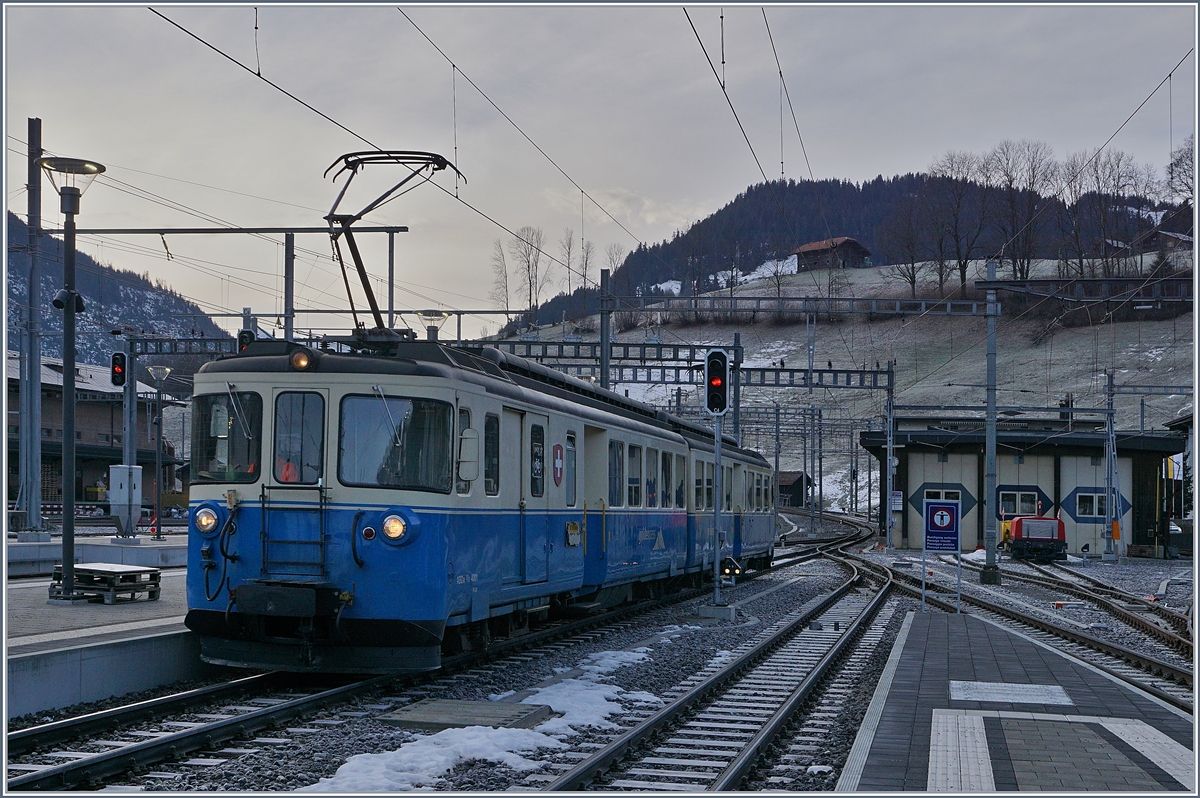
point(98, 431)
point(1049, 466)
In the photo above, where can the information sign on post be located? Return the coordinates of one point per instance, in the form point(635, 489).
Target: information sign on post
point(943, 519)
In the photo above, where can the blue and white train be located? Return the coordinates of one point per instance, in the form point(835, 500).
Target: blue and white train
point(368, 512)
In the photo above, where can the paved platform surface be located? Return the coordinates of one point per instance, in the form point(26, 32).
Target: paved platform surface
point(967, 706)
point(35, 625)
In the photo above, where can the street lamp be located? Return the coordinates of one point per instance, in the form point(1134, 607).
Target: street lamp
point(159, 375)
point(70, 178)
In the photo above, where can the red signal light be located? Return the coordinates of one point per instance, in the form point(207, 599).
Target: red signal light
point(715, 382)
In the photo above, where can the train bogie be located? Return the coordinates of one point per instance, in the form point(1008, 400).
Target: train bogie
point(368, 512)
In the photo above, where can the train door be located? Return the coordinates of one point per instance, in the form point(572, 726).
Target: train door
point(293, 533)
point(535, 499)
point(512, 491)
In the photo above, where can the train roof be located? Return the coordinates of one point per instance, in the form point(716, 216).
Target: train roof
point(432, 359)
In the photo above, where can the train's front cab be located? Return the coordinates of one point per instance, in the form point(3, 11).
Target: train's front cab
point(318, 498)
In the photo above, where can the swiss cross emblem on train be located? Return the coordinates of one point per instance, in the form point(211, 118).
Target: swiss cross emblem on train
point(558, 464)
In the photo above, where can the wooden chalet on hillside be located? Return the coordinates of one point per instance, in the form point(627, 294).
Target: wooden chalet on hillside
point(842, 252)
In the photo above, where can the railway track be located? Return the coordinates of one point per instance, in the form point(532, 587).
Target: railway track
point(1164, 680)
point(277, 702)
point(1178, 621)
point(720, 721)
point(1127, 608)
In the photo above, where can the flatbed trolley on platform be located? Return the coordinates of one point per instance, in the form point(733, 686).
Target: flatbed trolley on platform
point(99, 580)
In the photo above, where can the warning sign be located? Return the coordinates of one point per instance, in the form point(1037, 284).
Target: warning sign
point(942, 525)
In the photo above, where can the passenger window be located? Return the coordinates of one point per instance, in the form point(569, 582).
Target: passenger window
point(635, 476)
point(652, 477)
point(699, 472)
point(710, 472)
point(537, 460)
point(727, 487)
point(681, 481)
point(616, 473)
point(666, 479)
point(769, 496)
point(749, 491)
point(491, 454)
point(758, 500)
point(463, 486)
point(299, 437)
point(569, 470)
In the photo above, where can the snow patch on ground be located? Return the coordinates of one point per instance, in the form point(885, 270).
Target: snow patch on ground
point(602, 662)
point(421, 764)
point(584, 703)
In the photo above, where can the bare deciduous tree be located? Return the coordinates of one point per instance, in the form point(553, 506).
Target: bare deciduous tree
point(526, 250)
point(1181, 174)
point(961, 196)
point(1023, 172)
point(902, 240)
point(499, 294)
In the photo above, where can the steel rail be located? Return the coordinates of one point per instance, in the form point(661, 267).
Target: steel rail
point(1143, 661)
point(915, 592)
point(111, 763)
point(580, 776)
point(737, 770)
point(136, 755)
point(25, 740)
point(1132, 618)
point(1177, 619)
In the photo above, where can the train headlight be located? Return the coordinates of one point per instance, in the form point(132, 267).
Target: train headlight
point(394, 527)
point(301, 359)
point(206, 520)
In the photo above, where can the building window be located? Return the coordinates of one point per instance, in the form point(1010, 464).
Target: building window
point(1018, 459)
point(1014, 502)
point(13, 430)
point(1095, 461)
point(943, 457)
point(102, 437)
point(1091, 505)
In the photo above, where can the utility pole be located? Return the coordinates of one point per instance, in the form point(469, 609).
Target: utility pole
point(605, 328)
point(1111, 549)
point(820, 473)
point(30, 440)
point(289, 285)
point(392, 286)
point(889, 468)
point(990, 575)
point(736, 383)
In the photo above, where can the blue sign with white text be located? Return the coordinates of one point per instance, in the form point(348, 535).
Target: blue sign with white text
point(942, 525)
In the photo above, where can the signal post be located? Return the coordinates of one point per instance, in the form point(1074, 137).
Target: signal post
point(716, 402)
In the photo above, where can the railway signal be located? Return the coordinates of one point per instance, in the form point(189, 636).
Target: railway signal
point(716, 381)
point(118, 372)
point(244, 339)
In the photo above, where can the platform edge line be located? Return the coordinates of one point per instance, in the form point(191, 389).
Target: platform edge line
point(857, 760)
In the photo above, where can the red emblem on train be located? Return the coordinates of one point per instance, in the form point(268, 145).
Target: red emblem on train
point(558, 464)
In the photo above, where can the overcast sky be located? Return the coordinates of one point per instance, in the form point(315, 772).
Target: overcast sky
point(622, 98)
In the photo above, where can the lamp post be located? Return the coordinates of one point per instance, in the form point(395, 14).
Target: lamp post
point(70, 178)
point(159, 374)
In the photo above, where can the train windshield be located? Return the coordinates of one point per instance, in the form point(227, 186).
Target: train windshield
point(227, 437)
point(392, 442)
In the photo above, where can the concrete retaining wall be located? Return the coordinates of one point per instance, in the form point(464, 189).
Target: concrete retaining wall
point(52, 679)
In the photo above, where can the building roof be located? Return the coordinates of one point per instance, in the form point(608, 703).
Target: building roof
point(88, 378)
point(827, 244)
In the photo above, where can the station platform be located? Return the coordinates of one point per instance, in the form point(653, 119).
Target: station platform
point(64, 654)
point(965, 705)
point(35, 559)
